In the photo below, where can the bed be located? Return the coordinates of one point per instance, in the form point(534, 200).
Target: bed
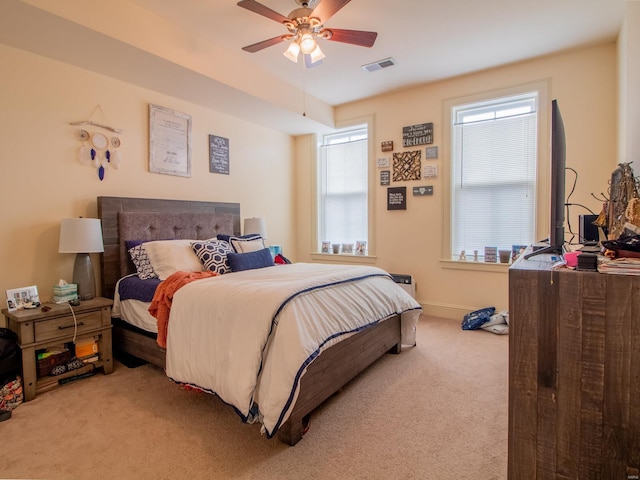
point(332, 364)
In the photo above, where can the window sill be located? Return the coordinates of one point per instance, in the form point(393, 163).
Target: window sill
point(478, 266)
point(342, 258)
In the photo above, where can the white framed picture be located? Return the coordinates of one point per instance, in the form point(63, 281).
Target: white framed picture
point(169, 142)
point(25, 297)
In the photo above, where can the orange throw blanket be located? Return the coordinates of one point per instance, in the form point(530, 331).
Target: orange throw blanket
point(163, 297)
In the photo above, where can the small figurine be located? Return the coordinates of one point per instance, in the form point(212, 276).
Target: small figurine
point(462, 256)
point(475, 255)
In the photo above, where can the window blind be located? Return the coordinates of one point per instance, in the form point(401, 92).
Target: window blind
point(343, 192)
point(493, 181)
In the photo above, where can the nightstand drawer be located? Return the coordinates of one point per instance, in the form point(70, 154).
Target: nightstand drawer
point(64, 326)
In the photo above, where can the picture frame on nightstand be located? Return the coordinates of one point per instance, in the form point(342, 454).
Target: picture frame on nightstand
point(25, 297)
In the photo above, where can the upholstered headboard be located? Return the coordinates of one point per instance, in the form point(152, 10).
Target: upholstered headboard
point(146, 219)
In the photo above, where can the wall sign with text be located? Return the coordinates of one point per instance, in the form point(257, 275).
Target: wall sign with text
point(218, 154)
point(397, 198)
point(421, 134)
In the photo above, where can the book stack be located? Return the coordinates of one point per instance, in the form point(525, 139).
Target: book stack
point(87, 350)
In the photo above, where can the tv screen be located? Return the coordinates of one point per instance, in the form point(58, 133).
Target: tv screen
point(558, 163)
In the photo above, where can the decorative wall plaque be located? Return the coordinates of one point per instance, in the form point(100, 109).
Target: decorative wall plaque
point(421, 134)
point(432, 152)
point(397, 198)
point(385, 177)
point(383, 162)
point(218, 154)
point(423, 191)
point(406, 166)
point(387, 146)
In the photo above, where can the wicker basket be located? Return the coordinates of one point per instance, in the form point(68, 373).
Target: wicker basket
point(45, 365)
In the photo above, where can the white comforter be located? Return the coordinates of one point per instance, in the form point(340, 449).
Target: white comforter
point(247, 335)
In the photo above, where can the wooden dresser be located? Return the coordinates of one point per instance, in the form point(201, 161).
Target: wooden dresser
point(574, 373)
point(52, 325)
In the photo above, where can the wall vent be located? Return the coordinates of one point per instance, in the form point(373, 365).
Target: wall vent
point(379, 65)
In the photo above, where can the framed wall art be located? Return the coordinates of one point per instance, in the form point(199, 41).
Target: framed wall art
point(169, 142)
point(406, 166)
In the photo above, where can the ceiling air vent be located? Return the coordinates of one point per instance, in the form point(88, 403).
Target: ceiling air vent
point(379, 65)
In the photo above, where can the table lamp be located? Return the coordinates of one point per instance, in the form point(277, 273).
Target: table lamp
point(256, 226)
point(82, 236)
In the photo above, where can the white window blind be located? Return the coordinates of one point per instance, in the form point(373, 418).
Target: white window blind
point(493, 174)
point(343, 188)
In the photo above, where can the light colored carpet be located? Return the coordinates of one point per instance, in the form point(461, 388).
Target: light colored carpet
point(436, 411)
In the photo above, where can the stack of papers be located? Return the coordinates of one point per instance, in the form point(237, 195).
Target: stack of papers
point(622, 266)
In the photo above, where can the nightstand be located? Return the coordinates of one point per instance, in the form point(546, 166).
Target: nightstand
point(38, 329)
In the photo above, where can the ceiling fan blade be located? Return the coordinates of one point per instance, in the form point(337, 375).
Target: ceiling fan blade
point(327, 8)
point(354, 37)
point(310, 63)
point(262, 10)
point(264, 44)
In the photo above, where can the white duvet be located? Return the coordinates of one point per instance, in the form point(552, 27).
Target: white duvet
point(247, 336)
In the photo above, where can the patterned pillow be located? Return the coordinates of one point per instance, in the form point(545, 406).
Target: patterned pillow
point(141, 261)
point(213, 255)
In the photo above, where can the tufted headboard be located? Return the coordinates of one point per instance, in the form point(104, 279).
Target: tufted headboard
point(147, 219)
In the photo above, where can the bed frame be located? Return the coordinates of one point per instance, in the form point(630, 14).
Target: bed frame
point(146, 219)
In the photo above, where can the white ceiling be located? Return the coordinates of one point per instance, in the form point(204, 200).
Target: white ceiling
point(192, 48)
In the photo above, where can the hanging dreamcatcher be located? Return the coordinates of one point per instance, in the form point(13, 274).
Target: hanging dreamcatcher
point(97, 149)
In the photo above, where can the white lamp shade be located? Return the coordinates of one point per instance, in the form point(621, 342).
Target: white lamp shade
point(80, 235)
point(255, 225)
point(292, 52)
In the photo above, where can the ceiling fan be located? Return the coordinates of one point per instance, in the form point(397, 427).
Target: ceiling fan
point(305, 25)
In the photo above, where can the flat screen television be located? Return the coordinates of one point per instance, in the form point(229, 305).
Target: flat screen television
point(558, 164)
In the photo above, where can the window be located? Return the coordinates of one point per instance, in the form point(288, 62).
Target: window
point(492, 173)
point(343, 187)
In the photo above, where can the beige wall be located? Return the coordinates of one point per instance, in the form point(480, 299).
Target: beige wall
point(584, 82)
point(629, 79)
point(42, 181)
point(271, 174)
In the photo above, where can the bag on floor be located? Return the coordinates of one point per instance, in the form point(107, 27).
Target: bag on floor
point(474, 320)
point(11, 394)
point(10, 355)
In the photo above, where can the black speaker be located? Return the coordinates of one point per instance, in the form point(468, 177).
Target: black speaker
point(588, 231)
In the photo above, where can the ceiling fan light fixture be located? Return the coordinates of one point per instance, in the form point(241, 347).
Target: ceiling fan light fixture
point(316, 54)
point(292, 52)
point(307, 43)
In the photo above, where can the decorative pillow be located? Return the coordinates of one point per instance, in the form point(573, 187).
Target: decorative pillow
point(141, 260)
point(129, 244)
point(170, 256)
point(249, 261)
point(227, 238)
point(213, 255)
point(248, 244)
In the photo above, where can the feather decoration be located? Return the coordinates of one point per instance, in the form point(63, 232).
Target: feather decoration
point(101, 172)
point(84, 156)
point(115, 160)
